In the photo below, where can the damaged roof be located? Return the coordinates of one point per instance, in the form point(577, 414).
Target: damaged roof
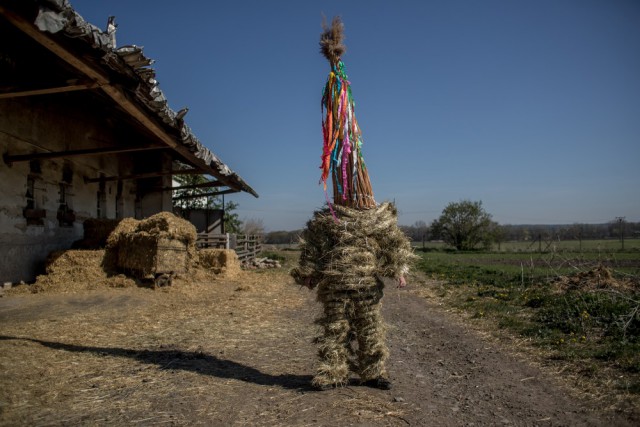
point(57, 26)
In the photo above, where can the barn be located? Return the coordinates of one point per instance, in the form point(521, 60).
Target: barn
point(85, 132)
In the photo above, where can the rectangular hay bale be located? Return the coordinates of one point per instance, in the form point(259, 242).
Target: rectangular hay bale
point(220, 260)
point(147, 255)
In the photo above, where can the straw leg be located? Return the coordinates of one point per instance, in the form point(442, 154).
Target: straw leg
point(333, 369)
point(370, 331)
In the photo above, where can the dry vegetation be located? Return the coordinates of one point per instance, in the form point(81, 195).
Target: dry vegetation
point(181, 355)
point(581, 327)
point(236, 348)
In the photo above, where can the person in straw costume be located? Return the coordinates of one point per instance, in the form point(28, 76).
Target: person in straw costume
point(351, 244)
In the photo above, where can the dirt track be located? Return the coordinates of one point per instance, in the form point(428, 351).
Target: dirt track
point(240, 352)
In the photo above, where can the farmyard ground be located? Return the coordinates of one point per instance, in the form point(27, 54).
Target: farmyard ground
point(239, 351)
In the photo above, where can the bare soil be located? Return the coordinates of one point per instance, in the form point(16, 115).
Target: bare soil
point(239, 351)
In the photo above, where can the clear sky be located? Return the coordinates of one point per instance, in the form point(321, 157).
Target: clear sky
point(532, 107)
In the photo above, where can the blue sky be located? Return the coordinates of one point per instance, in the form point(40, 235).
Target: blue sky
point(532, 107)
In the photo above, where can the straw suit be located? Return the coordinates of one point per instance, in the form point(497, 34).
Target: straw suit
point(346, 260)
point(349, 246)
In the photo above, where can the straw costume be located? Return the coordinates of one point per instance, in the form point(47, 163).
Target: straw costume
point(350, 245)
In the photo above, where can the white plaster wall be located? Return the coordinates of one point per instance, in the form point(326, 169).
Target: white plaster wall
point(39, 124)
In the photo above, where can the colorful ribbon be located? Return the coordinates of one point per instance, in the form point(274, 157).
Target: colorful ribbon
point(342, 141)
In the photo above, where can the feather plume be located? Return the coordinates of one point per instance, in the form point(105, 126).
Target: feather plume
point(331, 45)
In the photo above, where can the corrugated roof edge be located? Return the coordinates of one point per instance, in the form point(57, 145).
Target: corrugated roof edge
point(59, 16)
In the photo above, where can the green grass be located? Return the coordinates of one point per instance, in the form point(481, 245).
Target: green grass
point(599, 245)
point(528, 266)
point(594, 326)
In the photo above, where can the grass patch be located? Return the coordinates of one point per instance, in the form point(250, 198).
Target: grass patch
point(579, 308)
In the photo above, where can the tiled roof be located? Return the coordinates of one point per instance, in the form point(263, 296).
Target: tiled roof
point(57, 17)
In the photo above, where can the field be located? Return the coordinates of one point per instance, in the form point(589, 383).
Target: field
point(598, 246)
point(580, 308)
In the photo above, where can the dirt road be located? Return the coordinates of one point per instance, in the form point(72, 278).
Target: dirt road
point(240, 352)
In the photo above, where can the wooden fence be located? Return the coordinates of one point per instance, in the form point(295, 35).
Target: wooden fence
point(247, 246)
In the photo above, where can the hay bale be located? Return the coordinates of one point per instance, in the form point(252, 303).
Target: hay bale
point(162, 243)
point(148, 255)
point(123, 229)
point(220, 261)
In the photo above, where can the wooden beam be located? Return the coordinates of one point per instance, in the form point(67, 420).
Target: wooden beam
point(32, 31)
point(10, 159)
point(189, 172)
point(47, 91)
point(144, 175)
point(112, 90)
point(217, 193)
point(202, 185)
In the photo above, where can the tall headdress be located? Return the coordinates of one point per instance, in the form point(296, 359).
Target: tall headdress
point(342, 156)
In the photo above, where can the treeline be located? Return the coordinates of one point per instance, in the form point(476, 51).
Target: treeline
point(612, 230)
point(507, 233)
point(282, 237)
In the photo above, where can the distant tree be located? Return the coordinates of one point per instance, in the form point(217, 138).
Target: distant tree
point(620, 229)
point(576, 231)
point(421, 229)
point(416, 232)
point(464, 225)
point(283, 237)
point(253, 226)
point(496, 233)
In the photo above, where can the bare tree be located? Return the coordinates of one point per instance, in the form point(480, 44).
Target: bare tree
point(253, 226)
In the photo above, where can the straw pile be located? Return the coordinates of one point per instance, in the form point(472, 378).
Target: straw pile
point(346, 260)
point(161, 247)
point(162, 243)
point(76, 270)
point(597, 278)
point(220, 261)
